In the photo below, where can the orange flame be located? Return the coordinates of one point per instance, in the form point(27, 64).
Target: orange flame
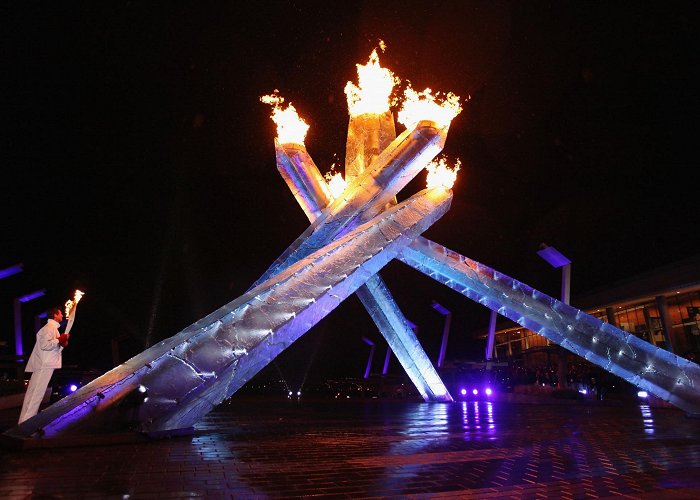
point(290, 127)
point(70, 304)
point(439, 174)
point(375, 84)
point(424, 105)
point(336, 183)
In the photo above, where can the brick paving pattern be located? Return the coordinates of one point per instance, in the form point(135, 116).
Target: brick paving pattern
point(258, 448)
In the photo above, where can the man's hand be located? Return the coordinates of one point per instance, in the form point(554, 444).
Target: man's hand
point(63, 339)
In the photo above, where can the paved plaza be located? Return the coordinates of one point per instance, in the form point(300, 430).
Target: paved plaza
point(264, 448)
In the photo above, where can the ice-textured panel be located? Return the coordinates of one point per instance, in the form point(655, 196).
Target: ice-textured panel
point(662, 373)
point(303, 178)
point(407, 155)
point(403, 341)
point(305, 181)
point(190, 373)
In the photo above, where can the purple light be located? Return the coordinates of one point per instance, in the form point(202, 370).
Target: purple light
point(553, 257)
point(31, 296)
point(475, 391)
point(73, 388)
point(9, 271)
point(439, 308)
point(488, 391)
point(463, 392)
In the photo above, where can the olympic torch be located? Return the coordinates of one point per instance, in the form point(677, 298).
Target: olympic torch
point(71, 306)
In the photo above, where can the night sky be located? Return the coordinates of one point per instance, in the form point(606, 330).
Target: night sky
point(138, 163)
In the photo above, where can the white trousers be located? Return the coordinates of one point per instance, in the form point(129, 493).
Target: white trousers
point(36, 390)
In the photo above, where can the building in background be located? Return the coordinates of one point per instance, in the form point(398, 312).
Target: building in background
point(661, 307)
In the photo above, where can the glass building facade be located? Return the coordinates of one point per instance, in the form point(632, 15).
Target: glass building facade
point(661, 307)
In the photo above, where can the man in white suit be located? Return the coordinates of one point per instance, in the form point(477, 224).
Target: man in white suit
point(46, 356)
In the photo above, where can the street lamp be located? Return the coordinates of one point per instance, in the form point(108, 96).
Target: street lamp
point(371, 355)
point(18, 317)
point(10, 271)
point(445, 331)
point(491, 336)
point(556, 259)
point(38, 319)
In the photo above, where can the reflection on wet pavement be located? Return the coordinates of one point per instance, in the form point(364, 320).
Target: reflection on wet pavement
point(260, 448)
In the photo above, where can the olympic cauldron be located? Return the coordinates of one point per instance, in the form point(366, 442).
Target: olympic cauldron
point(353, 234)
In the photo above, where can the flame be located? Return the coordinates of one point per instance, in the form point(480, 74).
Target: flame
point(424, 105)
point(70, 304)
point(290, 127)
point(439, 174)
point(375, 84)
point(336, 183)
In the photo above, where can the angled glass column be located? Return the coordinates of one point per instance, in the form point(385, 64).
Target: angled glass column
point(670, 377)
point(305, 181)
point(369, 194)
point(174, 383)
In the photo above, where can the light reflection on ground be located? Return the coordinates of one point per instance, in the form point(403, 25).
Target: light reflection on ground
point(262, 448)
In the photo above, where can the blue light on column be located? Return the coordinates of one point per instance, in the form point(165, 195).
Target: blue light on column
point(9, 271)
point(19, 349)
point(556, 259)
point(445, 331)
point(371, 355)
point(31, 296)
point(553, 256)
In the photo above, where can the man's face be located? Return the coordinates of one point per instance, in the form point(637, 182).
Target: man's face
point(58, 316)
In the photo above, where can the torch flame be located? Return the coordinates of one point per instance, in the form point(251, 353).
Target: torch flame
point(375, 84)
point(70, 304)
point(439, 174)
point(424, 105)
point(290, 127)
point(336, 183)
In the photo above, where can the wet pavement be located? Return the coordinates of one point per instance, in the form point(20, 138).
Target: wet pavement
point(261, 448)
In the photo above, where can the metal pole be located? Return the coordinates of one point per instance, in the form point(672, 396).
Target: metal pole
point(37, 320)
point(371, 355)
point(566, 283)
point(492, 334)
point(19, 350)
point(445, 331)
point(386, 360)
point(445, 335)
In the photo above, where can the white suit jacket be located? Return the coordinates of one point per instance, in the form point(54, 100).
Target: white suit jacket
point(47, 351)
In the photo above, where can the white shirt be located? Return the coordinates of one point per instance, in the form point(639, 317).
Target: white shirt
point(47, 350)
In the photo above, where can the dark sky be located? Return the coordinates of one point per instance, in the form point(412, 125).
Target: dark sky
point(138, 163)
